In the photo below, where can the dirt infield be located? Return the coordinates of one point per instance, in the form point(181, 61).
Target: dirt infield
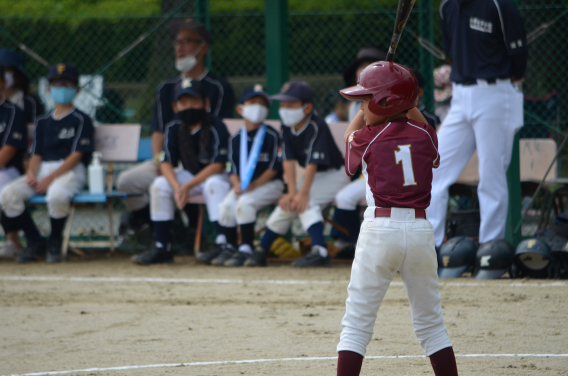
point(108, 313)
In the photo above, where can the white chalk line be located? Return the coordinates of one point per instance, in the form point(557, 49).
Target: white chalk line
point(251, 361)
point(265, 282)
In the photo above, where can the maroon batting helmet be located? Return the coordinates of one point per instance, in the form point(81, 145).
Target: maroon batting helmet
point(385, 80)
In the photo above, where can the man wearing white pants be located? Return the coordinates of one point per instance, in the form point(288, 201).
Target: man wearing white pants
point(488, 43)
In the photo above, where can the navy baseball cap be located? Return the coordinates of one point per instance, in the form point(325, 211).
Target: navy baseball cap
point(12, 58)
point(189, 86)
point(190, 23)
point(63, 71)
point(253, 91)
point(295, 91)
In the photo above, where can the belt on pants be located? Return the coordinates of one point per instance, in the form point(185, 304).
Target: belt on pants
point(490, 81)
point(386, 212)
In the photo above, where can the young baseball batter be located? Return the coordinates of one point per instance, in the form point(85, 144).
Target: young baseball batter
point(307, 140)
point(256, 174)
point(396, 156)
point(61, 149)
point(194, 161)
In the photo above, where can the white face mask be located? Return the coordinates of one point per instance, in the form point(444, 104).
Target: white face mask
point(9, 78)
point(186, 64)
point(255, 113)
point(292, 116)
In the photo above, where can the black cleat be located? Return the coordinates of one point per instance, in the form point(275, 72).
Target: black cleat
point(258, 257)
point(228, 251)
point(54, 252)
point(156, 255)
point(312, 259)
point(207, 257)
point(238, 259)
point(32, 251)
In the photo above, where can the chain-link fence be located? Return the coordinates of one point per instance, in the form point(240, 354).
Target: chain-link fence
point(127, 44)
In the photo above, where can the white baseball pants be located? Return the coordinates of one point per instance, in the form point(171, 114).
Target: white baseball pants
point(162, 202)
point(349, 197)
point(387, 245)
point(485, 117)
point(242, 209)
point(8, 175)
point(58, 196)
point(322, 192)
point(137, 180)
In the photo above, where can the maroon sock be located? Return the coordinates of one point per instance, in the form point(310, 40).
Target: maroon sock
point(349, 363)
point(444, 362)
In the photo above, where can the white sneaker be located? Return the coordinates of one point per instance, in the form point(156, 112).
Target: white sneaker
point(9, 250)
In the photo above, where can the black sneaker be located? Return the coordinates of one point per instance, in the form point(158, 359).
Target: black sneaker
point(228, 251)
point(312, 259)
point(54, 252)
point(32, 251)
point(207, 257)
point(258, 257)
point(156, 255)
point(238, 259)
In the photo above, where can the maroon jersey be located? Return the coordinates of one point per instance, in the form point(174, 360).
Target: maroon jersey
point(396, 159)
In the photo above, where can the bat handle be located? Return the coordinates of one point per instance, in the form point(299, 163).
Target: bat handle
point(390, 57)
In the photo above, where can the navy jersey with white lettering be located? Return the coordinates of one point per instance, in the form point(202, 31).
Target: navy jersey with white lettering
point(217, 89)
point(483, 36)
point(267, 159)
point(55, 139)
point(13, 132)
point(312, 144)
point(218, 144)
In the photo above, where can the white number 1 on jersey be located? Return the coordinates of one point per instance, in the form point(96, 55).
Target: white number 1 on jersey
point(403, 155)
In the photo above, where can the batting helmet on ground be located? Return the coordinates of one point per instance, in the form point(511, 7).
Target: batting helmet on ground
point(392, 82)
point(456, 256)
point(532, 258)
point(493, 259)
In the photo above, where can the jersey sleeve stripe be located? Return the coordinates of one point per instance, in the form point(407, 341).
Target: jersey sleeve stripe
point(502, 24)
point(221, 94)
point(435, 148)
point(233, 165)
point(441, 7)
point(166, 146)
point(216, 145)
point(34, 103)
point(9, 127)
point(79, 131)
point(274, 149)
point(316, 131)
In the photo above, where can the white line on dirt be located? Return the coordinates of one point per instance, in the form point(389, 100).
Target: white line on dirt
point(268, 281)
point(250, 361)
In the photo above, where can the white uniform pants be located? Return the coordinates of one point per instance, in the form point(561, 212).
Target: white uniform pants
point(162, 202)
point(349, 197)
point(137, 180)
point(322, 192)
point(387, 245)
point(242, 209)
point(485, 117)
point(58, 196)
point(8, 175)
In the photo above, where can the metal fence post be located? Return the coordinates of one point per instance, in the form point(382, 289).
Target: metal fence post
point(426, 31)
point(276, 47)
point(514, 186)
point(202, 13)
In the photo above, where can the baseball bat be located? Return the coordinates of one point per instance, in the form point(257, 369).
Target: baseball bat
point(402, 13)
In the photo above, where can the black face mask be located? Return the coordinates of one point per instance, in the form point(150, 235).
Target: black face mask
point(192, 116)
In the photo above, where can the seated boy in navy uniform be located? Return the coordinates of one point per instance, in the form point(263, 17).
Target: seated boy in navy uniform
point(256, 174)
point(13, 146)
point(197, 141)
point(61, 149)
point(307, 140)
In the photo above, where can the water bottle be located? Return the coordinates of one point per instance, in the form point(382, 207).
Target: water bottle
point(96, 175)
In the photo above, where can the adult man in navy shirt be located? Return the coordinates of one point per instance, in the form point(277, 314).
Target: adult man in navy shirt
point(191, 46)
point(488, 44)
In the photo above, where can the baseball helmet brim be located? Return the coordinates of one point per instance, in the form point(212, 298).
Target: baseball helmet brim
point(355, 92)
point(452, 272)
point(489, 273)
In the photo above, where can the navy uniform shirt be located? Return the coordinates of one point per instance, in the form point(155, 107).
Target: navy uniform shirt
point(32, 108)
point(312, 144)
point(267, 159)
point(218, 144)
point(55, 139)
point(13, 132)
point(432, 119)
point(219, 92)
point(483, 37)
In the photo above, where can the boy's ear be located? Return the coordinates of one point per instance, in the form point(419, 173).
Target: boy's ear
point(420, 92)
point(309, 108)
point(174, 107)
point(239, 109)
